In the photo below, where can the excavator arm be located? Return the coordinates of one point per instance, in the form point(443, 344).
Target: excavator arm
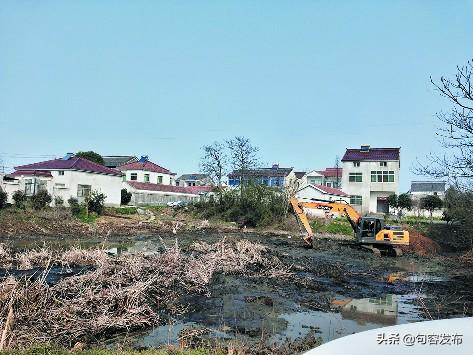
point(335, 206)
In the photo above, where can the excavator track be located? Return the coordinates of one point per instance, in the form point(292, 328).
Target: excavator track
point(372, 249)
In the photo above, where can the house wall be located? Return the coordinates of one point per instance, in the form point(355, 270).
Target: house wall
point(369, 191)
point(10, 187)
point(153, 177)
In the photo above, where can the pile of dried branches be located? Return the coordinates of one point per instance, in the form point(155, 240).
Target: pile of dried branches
point(124, 292)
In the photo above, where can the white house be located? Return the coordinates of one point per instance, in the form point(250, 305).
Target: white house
point(68, 177)
point(421, 189)
point(196, 179)
point(369, 176)
point(320, 192)
point(330, 177)
point(145, 171)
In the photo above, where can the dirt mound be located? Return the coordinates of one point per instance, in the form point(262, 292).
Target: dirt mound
point(420, 244)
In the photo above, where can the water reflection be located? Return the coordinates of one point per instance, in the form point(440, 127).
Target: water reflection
point(380, 310)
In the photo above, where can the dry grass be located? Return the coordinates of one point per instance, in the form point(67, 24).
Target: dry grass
point(125, 292)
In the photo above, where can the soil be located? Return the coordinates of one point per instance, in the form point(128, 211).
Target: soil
point(332, 290)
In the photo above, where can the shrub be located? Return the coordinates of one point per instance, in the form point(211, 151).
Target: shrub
point(58, 201)
point(41, 200)
point(19, 199)
point(96, 201)
point(74, 205)
point(126, 197)
point(3, 198)
point(253, 206)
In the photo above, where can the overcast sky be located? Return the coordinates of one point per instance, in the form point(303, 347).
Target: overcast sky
point(302, 79)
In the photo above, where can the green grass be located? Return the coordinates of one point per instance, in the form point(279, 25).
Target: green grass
point(336, 226)
point(122, 210)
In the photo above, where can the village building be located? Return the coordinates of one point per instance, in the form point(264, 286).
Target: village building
point(369, 176)
point(67, 177)
point(321, 192)
point(194, 180)
point(421, 189)
point(331, 177)
point(152, 184)
point(146, 171)
point(274, 176)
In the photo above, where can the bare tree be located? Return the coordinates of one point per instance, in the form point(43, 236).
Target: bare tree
point(214, 162)
point(456, 135)
point(243, 156)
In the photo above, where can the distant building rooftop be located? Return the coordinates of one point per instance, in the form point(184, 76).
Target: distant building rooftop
point(145, 165)
point(428, 186)
point(193, 177)
point(113, 161)
point(275, 170)
point(366, 153)
point(331, 172)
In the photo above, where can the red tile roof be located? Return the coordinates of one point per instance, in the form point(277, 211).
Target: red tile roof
point(195, 190)
point(145, 166)
point(372, 154)
point(330, 190)
point(74, 163)
point(42, 173)
point(331, 172)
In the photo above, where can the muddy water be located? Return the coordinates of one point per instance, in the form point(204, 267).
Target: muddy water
point(336, 290)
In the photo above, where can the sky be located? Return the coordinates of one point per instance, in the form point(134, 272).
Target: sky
point(304, 80)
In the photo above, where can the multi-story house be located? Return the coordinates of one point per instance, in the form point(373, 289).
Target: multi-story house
point(369, 176)
point(145, 171)
point(272, 177)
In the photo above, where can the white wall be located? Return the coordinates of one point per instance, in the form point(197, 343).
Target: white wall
point(153, 177)
point(150, 197)
point(369, 191)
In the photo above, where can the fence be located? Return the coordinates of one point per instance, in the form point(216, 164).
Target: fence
point(142, 198)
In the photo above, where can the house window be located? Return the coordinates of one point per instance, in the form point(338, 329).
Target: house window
point(356, 200)
point(61, 172)
point(29, 187)
point(133, 176)
point(382, 176)
point(355, 177)
point(356, 164)
point(83, 190)
point(328, 184)
point(315, 180)
point(160, 179)
point(42, 185)
point(146, 177)
point(383, 163)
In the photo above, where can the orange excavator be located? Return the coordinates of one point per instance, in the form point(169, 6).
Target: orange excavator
point(370, 232)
